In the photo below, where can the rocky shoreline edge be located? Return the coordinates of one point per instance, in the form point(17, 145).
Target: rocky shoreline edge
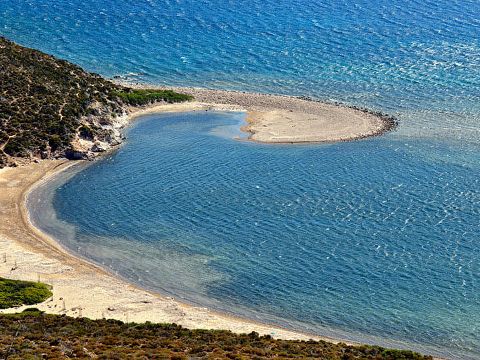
point(92, 151)
point(259, 103)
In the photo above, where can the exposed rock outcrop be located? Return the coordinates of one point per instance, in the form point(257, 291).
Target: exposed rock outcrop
point(50, 108)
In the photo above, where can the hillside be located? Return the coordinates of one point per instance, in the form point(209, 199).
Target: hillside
point(50, 108)
point(32, 335)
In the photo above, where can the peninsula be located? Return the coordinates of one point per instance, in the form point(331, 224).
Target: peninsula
point(50, 108)
point(284, 119)
point(52, 111)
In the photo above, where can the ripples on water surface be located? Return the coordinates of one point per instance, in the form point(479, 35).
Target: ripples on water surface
point(374, 238)
point(418, 58)
point(359, 240)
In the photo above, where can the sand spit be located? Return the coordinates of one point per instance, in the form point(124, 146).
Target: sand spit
point(84, 289)
point(286, 119)
point(81, 288)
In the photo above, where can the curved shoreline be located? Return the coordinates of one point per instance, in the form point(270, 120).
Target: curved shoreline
point(82, 288)
point(100, 290)
point(93, 290)
point(283, 119)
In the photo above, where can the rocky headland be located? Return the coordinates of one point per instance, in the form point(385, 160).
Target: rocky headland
point(50, 108)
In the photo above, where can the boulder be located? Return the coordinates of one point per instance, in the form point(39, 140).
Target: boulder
point(72, 154)
point(98, 147)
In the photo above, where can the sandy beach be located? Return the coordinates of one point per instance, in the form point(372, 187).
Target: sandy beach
point(84, 289)
point(284, 119)
point(81, 288)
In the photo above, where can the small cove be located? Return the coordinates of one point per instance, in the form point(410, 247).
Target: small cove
point(366, 241)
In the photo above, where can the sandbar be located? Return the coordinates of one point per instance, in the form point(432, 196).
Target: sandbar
point(284, 119)
point(82, 288)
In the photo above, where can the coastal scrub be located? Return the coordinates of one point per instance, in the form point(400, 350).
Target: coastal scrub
point(107, 339)
point(50, 108)
point(140, 97)
point(15, 293)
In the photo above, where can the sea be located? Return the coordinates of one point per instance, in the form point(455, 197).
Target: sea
point(375, 241)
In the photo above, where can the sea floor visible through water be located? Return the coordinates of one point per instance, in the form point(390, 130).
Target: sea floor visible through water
point(377, 237)
point(365, 241)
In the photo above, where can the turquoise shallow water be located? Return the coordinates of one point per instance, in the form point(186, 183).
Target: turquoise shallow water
point(374, 240)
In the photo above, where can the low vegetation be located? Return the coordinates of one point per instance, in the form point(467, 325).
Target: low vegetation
point(147, 96)
point(32, 335)
point(15, 293)
point(46, 103)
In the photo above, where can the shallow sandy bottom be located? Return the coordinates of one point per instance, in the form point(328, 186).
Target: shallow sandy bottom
point(83, 289)
point(286, 119)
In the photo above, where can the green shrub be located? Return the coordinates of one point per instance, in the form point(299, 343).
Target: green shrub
point(86, 132)
point(138, 97)
point(15, 293)
point(17, 147)
point(45, 100)
point(32, 311)
point(53, 336)
point(3, 159)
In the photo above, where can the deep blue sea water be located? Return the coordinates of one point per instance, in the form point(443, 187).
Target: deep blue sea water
point(376, 240)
